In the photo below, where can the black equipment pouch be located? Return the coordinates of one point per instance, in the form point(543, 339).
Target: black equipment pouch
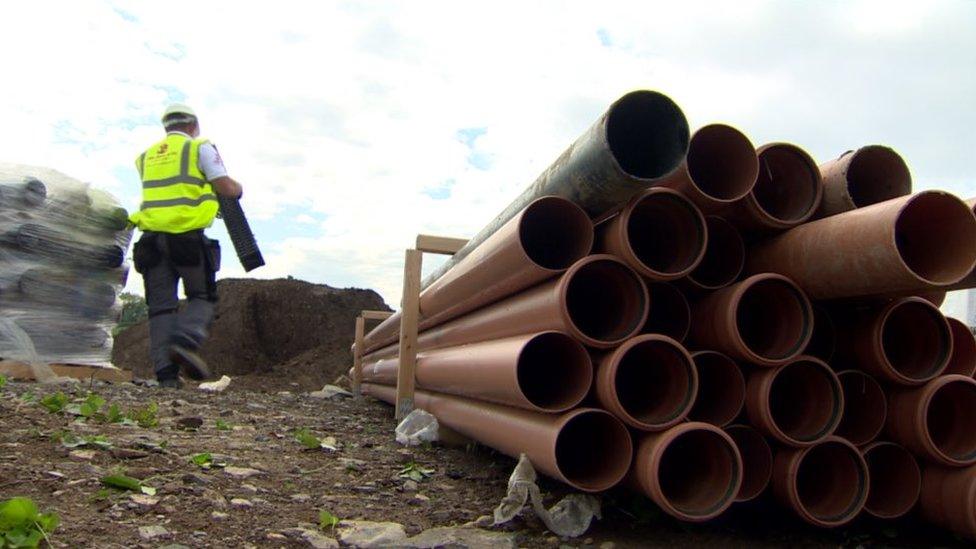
point(186, 249)
point(145, 253)
point(212, 253)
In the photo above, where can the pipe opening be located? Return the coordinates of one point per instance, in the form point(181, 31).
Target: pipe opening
point(606, 301)
point(865, 408)
point(725, 256)
point(823, 339)
point(788, 188)
point(647, 134)
point(934, 233)
point(721, 389)
point(895, 480)
point(669, 314)
point(757, 461)
point(722, 162)
point(915, 339)
point(666, 233)
point(555, 233)
point(554, 371)
point(593, 450)
point(699, 473)
point(876, 174)
point(949, 420)
point(831, 482)
point(962, 360)
point(774, 319)
point(655, 382)
point(805, 400)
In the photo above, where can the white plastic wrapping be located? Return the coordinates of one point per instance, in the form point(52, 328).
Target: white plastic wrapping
point(62, 252)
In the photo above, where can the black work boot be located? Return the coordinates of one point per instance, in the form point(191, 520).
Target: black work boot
point(171, 383)
point(191, 363)
point(169, 377)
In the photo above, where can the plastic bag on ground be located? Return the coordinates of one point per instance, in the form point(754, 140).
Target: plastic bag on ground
point(418, 427)
point(570, 517)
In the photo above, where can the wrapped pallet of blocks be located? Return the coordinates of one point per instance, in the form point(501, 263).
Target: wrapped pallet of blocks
point(62, 264)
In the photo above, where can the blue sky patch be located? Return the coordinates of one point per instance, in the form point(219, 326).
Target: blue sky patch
point(478, 159)
point(440, 192)
point(604, 36)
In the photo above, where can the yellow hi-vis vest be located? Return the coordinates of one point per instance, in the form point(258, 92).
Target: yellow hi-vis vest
point(176, 197)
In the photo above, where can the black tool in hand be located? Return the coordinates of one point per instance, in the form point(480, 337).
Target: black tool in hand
point(240, 233)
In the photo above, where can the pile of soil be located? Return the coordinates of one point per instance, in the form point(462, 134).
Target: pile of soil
point(282, 331)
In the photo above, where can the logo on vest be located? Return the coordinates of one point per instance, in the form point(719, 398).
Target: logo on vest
point(163, 148)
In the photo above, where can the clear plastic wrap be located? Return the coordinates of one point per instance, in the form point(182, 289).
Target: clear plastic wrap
point(62, 264)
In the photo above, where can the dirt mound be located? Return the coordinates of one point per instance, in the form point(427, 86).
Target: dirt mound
point(285, 330)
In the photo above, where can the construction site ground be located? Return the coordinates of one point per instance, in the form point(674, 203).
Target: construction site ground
point(272, 483)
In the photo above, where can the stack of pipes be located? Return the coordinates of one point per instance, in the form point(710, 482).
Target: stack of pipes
point(62, 250)
point(696, 319)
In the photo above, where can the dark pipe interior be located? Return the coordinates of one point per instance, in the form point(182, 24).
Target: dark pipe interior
point(722, 162)
point(876, 174)
point(915, 339)
point(594, 450)
point(865, 408)
point(721, 389)
point(666, 233)
point(554, 371)
point(805, 400)
point(895, 480)
point(773, 319)
point(788, 184)
point(757, 460)
point(962, 361)
point(823, 340)
point(698, 472)
point(606, 301)
point(647, 134)
point(655, 382)
point(935, 233)
point(831, 482)
point(555, 234)
point(669, 314)
point(949, 420)
point(725, 255)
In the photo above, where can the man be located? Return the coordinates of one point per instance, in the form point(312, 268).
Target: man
point(180, 175)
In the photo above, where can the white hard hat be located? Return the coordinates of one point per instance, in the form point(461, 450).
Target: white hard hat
point(178, 108)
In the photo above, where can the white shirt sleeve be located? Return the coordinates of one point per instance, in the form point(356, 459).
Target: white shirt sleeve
point(210, 162)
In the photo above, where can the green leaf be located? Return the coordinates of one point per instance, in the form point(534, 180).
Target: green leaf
point(222, 425)
point(3, 381)
point(327, 520)
point(114, 414)
point(55, 403)
point(16, 512)
point(48, 522)
point(204, 460)
point(145, 417)
point(415, 472)
point(99, 441)
point(307, 439)
point(122, 482)
point(22, 526)
point(91, 405)
point(29, 396)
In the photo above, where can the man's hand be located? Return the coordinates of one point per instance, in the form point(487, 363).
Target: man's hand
point(225, 186)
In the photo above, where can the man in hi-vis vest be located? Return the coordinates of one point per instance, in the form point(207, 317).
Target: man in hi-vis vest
point(180, 176)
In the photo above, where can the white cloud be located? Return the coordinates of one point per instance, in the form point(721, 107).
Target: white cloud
point(341, 117)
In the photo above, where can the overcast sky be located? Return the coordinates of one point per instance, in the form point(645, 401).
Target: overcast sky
point(356, 125)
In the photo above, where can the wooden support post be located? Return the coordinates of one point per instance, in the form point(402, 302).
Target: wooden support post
point(439, 244)
point(357, 356)
point(410, 311)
